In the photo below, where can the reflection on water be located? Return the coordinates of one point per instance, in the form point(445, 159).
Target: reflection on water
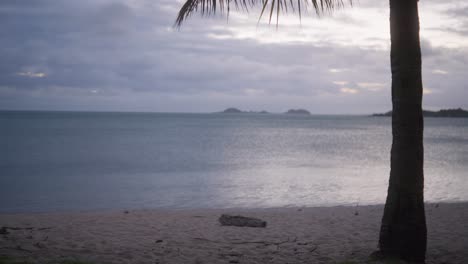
point(68, 161)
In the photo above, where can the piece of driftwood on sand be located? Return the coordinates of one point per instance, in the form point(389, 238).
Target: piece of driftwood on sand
point(241, 221)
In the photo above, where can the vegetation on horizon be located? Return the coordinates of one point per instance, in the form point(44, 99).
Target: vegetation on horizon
point(458, 112)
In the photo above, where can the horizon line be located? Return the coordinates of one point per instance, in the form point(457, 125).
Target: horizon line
point(165, 112)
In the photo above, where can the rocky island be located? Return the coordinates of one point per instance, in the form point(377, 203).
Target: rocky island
point(441, 113)
point(233, 110)
point(298, 112)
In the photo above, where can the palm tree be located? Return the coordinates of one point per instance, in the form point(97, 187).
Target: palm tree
point(403, 230)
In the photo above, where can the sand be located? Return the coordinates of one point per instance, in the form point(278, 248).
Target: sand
point(293, 235)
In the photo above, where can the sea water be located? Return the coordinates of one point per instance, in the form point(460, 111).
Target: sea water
point(62, 161)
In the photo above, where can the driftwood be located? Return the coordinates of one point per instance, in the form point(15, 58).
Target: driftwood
point(237, 220)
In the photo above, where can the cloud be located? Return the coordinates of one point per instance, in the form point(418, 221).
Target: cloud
point(334, 70)
point(427, 91)
point(126, 56)
point(347, 90)
point(340, 83)
point(439, 71)
point(372, 86)
point(32, 74)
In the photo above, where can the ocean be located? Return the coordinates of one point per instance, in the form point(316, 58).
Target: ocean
point(69, 161)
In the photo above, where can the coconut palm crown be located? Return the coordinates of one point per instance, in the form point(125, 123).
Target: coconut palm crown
point(272, 7)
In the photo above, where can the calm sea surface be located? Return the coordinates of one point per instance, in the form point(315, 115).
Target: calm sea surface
point(53, 161)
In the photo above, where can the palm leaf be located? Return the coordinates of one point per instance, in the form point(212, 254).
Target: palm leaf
point(207, 7)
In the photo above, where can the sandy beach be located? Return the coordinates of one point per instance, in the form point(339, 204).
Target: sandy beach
point(293, 235)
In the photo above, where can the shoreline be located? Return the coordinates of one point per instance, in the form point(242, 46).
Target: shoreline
point(293, 235)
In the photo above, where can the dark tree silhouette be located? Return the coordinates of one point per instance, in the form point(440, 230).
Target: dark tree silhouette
point(403, 230)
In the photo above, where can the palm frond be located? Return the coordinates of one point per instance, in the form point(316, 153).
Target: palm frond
point(207, 7)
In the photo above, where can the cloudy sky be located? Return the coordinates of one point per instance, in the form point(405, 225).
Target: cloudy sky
point(125, 55)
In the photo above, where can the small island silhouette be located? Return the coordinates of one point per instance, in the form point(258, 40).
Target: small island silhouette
point(297, 112)
point(233, 110)
point(441, 113)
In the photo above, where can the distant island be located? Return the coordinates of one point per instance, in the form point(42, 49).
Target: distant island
point(441, 113)
point(232, 110)
point(298, 112)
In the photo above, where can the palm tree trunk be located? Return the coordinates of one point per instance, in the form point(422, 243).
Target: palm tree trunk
point(403, 231)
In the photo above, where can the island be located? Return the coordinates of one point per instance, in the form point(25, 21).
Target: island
point(297, 112)
point(233, 110)
point(459, 112)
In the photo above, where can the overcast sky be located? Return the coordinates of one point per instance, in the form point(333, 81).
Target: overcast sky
point(124, 55)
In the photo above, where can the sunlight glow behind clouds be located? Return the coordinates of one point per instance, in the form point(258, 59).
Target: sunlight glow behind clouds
point(441, 27)
point(350, 27)
point(438, 71)
point(349, 90)
point(362, 25)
